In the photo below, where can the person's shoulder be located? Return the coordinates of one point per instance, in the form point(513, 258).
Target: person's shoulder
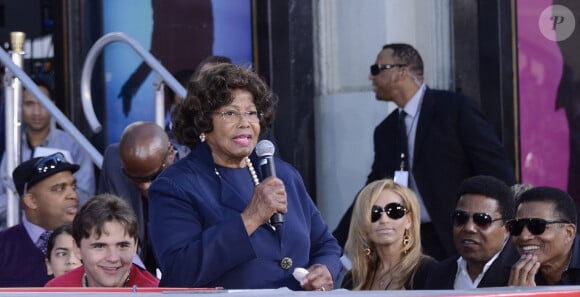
point(73, 278)
point(11, 232)
point(444, 265)
point(143, 277)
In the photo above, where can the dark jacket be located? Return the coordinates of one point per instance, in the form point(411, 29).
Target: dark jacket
point(21, 262)
point(453, 141)
point(442, 277)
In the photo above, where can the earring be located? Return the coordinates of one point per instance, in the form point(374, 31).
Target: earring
point(202, 137)
point(406, 241)
point(367, 251)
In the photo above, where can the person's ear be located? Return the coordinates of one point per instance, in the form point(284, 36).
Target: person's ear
point(30, 201)
point(571, 231)
point(48, 267)
point(77, 251)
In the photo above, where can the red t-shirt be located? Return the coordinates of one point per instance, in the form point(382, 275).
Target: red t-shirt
point(74, 278)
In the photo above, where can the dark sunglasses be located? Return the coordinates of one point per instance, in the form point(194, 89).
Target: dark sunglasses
point(152, 177)
point(49, 162)
point(393, 210)
point(377, 68)
point(45, 165)
point(536, 226)
point(482, 220)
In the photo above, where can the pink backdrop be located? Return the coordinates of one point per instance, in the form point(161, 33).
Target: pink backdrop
point(544, 132)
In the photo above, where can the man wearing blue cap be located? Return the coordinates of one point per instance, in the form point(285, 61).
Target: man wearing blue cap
point(48, 196)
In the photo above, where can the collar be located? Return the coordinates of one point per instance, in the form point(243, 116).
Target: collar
point(46, 141)
point(462, 278)
point(33, 230)
point(412, 106)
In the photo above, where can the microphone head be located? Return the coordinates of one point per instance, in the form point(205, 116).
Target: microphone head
point(265, 148)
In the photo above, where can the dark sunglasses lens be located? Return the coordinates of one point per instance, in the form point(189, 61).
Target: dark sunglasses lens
point(460, 218)
point(537, 226)
point(376, 212)
point(395, 211)
point(516, 227)
point(482, 220)
point(374, 69)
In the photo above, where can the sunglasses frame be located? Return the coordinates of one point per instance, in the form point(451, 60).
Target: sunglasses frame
point(377, 68)
point(393, 211)
point(481, 219)
point(535, 226)
point(43, 165)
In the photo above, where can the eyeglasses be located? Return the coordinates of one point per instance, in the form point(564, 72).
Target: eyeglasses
point(393, 210)
point(377, 68)
point(235, 116)
point(482, 220)
point(152, 177)
point(536, 226)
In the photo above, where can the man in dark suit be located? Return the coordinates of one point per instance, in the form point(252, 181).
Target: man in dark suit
point(445, 140)
point(130, 166)
point(48, 196)
point(484, 205)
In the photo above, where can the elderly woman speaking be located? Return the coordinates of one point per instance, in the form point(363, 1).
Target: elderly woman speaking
point(209, 212)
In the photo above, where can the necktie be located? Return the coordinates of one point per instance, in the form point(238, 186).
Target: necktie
point(403, 152)
point(43, 241)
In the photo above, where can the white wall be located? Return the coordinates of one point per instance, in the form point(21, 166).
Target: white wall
point(348, 37)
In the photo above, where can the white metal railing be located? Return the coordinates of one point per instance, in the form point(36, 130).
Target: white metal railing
point(163, 76)
point(15, 79)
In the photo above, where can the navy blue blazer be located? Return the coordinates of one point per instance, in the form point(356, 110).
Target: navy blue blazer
point(442, 274)
point(453, 141)
point(21, 262)
point(200, 240)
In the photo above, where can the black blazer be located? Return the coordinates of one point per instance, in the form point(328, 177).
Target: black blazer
point(442, 275)
point(453, 141)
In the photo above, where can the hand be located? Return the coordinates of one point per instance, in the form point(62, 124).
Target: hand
point(269, 198)
point(524, 271)
point(318, 278)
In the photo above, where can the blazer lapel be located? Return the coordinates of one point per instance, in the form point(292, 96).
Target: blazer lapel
point(425, 116)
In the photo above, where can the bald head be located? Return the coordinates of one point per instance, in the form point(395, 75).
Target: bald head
point(145, 151)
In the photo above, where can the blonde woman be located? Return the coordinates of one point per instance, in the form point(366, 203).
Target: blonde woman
point(384, 241)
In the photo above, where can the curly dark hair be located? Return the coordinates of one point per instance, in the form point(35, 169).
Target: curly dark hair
point(212, 90)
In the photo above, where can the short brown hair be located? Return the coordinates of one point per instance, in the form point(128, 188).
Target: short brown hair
point(99, 210)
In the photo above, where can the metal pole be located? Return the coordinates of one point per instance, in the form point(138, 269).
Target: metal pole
point(13, 102)
point(159, 101)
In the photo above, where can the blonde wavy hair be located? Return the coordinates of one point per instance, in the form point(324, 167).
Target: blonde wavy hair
point(358, 242)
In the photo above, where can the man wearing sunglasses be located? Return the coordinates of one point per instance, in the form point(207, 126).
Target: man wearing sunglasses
point(48, 196)
point(432, 141)
point(130, 166)
point(486, 255)
point(544, 233)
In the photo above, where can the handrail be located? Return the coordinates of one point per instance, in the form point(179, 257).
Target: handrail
point(86, 98)
point(13, 131)
point(60, 118)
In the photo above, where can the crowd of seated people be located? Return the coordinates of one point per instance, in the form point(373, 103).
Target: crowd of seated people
point(170, 208)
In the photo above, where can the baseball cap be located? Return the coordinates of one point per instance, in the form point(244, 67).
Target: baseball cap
point(30, 172)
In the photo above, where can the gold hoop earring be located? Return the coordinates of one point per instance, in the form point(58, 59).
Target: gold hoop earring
point(367, 251)
point(406, 241)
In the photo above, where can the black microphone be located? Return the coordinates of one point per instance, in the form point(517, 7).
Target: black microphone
point(265, 150)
